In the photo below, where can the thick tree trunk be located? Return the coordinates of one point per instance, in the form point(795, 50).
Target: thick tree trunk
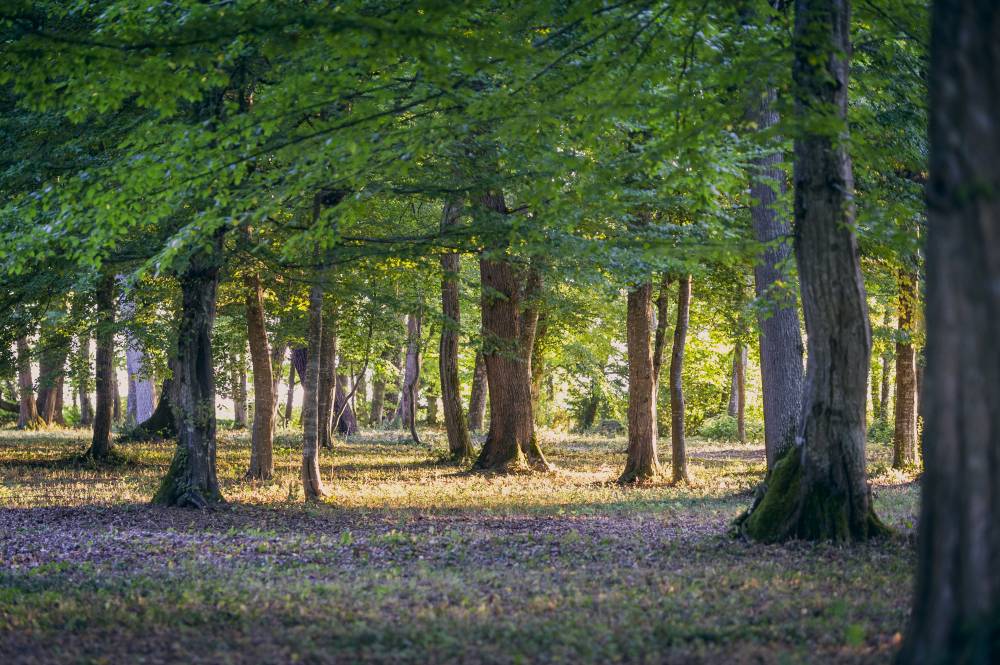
point(264, 393)
point(162, 424)
point(819, 491)
point(512, 426)
point(312, 425)
point(780, 337)
point(100, 445)
point(459, 444)
point(191, 480)
point(411, 374)
point(642, 462)
point(477, 399)
point(240, 396)
point(957, 599)
point(904, 440)
point(27, 417)
point(740, 355)
point(327, 380)
point(678, 445)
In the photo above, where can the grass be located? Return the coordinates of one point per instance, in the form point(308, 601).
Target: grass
point(415, 562)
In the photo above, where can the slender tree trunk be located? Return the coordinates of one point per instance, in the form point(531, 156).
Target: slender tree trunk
point(392, 391)
point(411, 375)
point(741, 392)
point(291, 394)
point(116, 407)
point(642, 463)
point(660, 336)
point(191, 480)
point(359, 401)
point(780, 337)
point(459, 444)
point(886, 384)
point(678, 445)
point(957, 599)
point(327, 380)
point(240, 396)
point(312, 483)
point(874, 382)
point(264, 393)
point(83, 382)
point(100, 446)
point(734, 400)
point(277, 365)
point(819, 491)
point(378, 401)
point(345, 421)
point(27, 417)
point(530, 316)
point(477, 399)
point(538, 364)
point(140, 402)
point(904, 440)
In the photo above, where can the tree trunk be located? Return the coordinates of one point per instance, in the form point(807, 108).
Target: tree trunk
point(741, 392)
point(734, 399)
point(140, 401)
point(240, 395)
point(277, 359)
point(508, 375)
point(100, 445)
point(411, 375)
point(780, 337)
point(642, 463)
point(530, 316)
point(27, 417)
point(884, 391)
point(477, 399)
point(678, 445)
point(957, 599)
point(819, 491)
point(83, 382)
point(327, 380)
point(345, 421)
point(378, 401)
point(264, 394)
point(904, 439)
point(359, 400)
point(162, 424)
point(459, 444)
point(312, 483)
point(191, 480)
point(392, 392)
point(660, 337)
point(538, 364)
point(116, 407)
point(54, 345)
point(291, 393)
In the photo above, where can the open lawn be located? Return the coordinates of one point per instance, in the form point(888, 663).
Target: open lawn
point(412, 561)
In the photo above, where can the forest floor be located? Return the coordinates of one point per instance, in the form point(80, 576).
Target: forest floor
point(412, 561)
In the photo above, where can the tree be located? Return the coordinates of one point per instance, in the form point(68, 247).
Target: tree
point(312, 482)
point(477, 397)
point(643, 462)
point(264, 396)
point(678, 446)
point(904, 439)
point(27, 417)
point(957, 599)
point(100, 446)
point(819, 490)
point(411, 374)
point(459, 445)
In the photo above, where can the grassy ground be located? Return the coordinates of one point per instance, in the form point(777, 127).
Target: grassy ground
point(415, 562)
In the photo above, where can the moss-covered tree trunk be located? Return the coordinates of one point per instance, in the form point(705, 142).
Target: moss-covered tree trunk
point(191, 480)
point(100, 444)
point(642, 462)
point(477, 398)
point(781, 371)
point(678, 445)
point(264, 394)
point(904, 439)
point(312, 483)
point(956, 606)
point(819, 490)
point(459, 444)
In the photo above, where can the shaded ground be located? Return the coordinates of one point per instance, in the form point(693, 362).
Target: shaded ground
point(415, 562)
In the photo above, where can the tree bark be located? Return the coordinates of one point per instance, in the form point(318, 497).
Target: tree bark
point(378, 399)
point(740, 354)
point(277, 365)
point(327, 380)
point(530, 316)
point(538, 363)
point(264, 394)
point(411, 374)
point(291, 393)
point(240, 395)
point(904, 439)
point(100, 445)
point(83, 381)
point(642, 463)
point(780, 337)
point(819, 491)
point(477, 398)
point(312, 483)
point(116, 404)
point(459, 444)
point(191, 480)
point(678, 445)
point(345, 420)
point(27, 417)
point(957, 599)
point(512, 427)
point(140, 402)
point(886, 387)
